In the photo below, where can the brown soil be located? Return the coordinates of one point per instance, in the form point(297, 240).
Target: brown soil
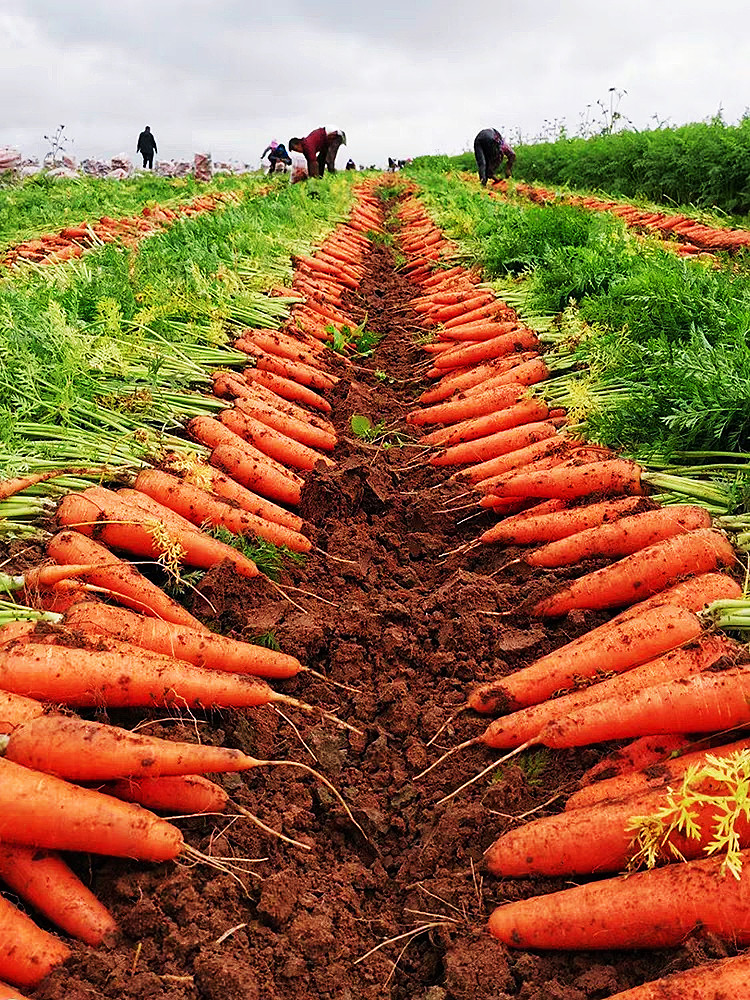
point(378, 606)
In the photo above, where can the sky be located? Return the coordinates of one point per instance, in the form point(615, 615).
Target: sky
point(400, 78)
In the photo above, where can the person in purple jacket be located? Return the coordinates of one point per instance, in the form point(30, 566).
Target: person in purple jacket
point(489, 150)
point(319, 149)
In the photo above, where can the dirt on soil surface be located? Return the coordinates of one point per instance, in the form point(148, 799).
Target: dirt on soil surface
point(395, 605)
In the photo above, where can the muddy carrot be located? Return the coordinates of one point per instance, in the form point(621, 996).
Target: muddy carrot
point(482, 450)
point(201, 648)
point(27, 953)
point(525, 412)
point(543, 527)
point(642, 574)
point(288, 389)
point(726, 978)
point(255, 475)
point(184, 794)
point(613, 476)
point(621, 537)
point(465, 407)
point(275, 444)
point(121, 580)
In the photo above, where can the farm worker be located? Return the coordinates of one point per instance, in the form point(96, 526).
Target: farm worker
point(147, 147)
point(489, 150)
point(319, 149)
point(277, 154)
point(350, 164)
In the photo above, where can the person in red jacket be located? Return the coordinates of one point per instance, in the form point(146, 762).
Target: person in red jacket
point(319, 149)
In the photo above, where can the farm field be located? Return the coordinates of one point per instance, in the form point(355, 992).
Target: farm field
point(300, 341)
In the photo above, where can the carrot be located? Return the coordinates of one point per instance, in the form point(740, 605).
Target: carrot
point(621, 537)
point(628, 644)
point(495, 347)
point(654, 909)
point(10, 993)
point(287, 389)
point(455, 382)
point(248, 471)
point(260, 394)
point(295, 370)
point(114, 677)
point(43, 879)
point(201, 648)
point(27, 953)
point(611, 476)
point(527, 457)
point(103, 514)
point(527, 373)
point(10, 487)
point(497, 311)
point(464, 407)
point(483, 450)
point(642, 574)
point(462, 305)
point(185, 794)
point(543, 527)
point(120, 579)
point(723, 980)
point(527, 411)
point(40, 810)
point(441, 276)
point(275, 444)
point(44, 576)
point(635, 756)
point(664, 770)
point(699, 704)
point(598, 838)
point(200, 507)
point(77, 750)
point(224, 487)
point(15, 709)
point(291, 350)
point(527, 724)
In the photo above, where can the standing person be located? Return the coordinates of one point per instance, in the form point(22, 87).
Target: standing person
point(489, 150)
point(147, 147)
point(319, 149)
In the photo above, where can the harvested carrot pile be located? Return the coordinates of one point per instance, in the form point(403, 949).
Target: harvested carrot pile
point(389, 473)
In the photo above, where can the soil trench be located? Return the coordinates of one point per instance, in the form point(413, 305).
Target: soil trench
point(386, 606)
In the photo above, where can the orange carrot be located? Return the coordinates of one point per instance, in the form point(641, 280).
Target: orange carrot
point(211, 433)
point(723, 980)
point(199, 507)
point(483, 450)
point(255, 475)
point(528, 723)
point(528, 457)
point(496, 310)
point(120, 579)
point(123, 676)
point(464, 408)
point(11, 993)
point(611, 476)
point(455, 382)
point(259, 393)
point(663, 771)
point(621, 537)
point(597, 838)
point(288, 389)
point(43, 879)
point(702, 703)
point(225, 488)
point(201, 648)
point(103, 514)
point(550, 527)
point(630, 643)
point(41, 810)
point(27, 953)
point(495, 347)
point(639, 754)
point(654, 909)
point(10, 487)
point(295, 370)
point(642, 574)
point(185, 794)
point(275, 444)
point(77, 750)
point(527, 411)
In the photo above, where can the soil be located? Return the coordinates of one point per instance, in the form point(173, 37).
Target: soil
point(394, 604)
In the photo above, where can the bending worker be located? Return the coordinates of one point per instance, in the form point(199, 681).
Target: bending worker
point(319, 149)
point(489, 150)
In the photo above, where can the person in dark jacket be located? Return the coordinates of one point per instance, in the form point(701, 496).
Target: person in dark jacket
point(319, 149)
point(277, 154)
point(489, 150)
point(146, 147)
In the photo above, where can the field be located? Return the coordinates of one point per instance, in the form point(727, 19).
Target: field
point(302, 317)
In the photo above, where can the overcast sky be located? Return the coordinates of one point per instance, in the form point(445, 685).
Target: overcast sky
point(401, 77)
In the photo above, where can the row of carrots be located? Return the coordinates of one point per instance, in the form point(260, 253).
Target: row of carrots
point(68, 784)
point(686, 235)
point(562, 502)
point(71, 241)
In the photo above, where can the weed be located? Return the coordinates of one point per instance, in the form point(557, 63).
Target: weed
point(364, 429)
point(268, 640)
point(268, 557)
